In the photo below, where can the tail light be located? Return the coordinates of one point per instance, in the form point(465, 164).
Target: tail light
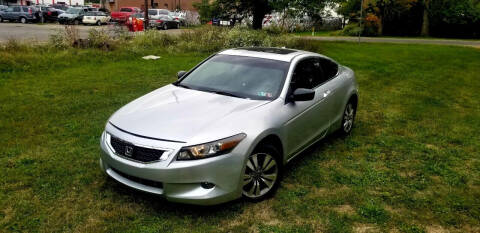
point(29, 11)
point(159, 21)
point(49, 13)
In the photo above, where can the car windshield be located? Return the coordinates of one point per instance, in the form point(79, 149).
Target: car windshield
point(238, 76)
point(73, 10)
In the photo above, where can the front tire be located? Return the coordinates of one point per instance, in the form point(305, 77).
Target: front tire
point(348, 118)
point(262, 173)
point(99, 23)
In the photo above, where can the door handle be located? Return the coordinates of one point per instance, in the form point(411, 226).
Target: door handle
point(326, 93)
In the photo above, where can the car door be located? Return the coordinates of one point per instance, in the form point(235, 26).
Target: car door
point(15, 15)
point(8, 13)
point(309, 120)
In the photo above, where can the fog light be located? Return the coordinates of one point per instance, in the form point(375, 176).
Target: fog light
point(207, 185)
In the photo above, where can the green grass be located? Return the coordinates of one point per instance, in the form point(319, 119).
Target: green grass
point(412, 163)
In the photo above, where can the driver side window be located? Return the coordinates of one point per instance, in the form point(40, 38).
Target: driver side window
point(308, 74)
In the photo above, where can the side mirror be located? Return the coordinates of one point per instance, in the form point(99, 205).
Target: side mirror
point(180, 74)
point(303, 94)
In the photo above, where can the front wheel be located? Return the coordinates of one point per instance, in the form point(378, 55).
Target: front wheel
point(262, 173)
point(348, 118)
point(99, 23)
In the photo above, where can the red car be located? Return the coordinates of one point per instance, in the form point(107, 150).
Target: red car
point(124, 13)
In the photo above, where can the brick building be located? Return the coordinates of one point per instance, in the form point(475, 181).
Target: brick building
point(115, 5)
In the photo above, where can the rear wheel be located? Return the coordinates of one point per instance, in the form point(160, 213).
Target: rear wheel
point(165, 27)
point(262, 173)
point(23, 20)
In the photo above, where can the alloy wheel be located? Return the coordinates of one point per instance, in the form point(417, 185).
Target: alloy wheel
point(348, 118)
point(260, 175)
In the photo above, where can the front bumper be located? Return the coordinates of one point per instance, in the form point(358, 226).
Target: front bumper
point(181, 181)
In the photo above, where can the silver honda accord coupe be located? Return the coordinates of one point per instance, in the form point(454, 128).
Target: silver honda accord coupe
point(227, 127)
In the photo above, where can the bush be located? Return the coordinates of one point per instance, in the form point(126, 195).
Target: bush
point(351, 30)
point(204, 39)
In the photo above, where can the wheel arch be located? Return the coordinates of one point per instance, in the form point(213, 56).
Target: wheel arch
point(274, 140)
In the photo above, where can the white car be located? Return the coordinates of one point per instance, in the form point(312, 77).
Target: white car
point(96, 17)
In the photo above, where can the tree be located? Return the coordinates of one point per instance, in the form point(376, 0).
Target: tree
point(259, 8)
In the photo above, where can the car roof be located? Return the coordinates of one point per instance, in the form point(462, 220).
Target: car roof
point(280, 54)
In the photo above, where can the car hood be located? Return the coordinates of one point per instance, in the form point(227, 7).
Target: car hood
point(179, 114)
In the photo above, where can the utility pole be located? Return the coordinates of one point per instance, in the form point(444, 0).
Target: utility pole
point(361, 19)
point(146, 22)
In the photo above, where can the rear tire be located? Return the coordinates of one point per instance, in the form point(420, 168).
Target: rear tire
point(263, 172)
point(165, 27)
point(23, 20)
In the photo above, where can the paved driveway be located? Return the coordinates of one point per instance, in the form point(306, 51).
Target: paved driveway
point(472, 43)
point(41, 32)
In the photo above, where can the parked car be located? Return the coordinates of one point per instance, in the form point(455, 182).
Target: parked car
point(179, 16)
point(156, 13)
point(124, 13)
point(73, 15)
point(227, 127)
point(165, 22)
point(23, 14)
point(61, 7)
point(48, 14)
point(96, 17)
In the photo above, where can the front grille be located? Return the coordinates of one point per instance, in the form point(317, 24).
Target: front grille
point(139, 180)
point(133, 152)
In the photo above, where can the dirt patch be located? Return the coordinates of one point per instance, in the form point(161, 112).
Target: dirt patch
point(344, 209)
point(364, 228)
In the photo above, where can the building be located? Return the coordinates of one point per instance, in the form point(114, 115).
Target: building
point(43, 2)
point(115, 5)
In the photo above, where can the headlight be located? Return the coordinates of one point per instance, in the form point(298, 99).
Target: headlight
point(210, 149)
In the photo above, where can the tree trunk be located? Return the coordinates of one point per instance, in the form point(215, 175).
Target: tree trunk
point(426, 20)
point(259, 12)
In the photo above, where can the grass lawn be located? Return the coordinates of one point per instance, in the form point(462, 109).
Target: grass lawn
point(412, 163)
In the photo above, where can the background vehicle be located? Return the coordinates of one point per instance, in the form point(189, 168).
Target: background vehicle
point(61, 7)
point(179, 16)
point(48, 14)
point(96, 17)
point(156, 13)
point(22, 14)
point(250, 112)
point(166, 22)
point(73, 15)
point(124, 13)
